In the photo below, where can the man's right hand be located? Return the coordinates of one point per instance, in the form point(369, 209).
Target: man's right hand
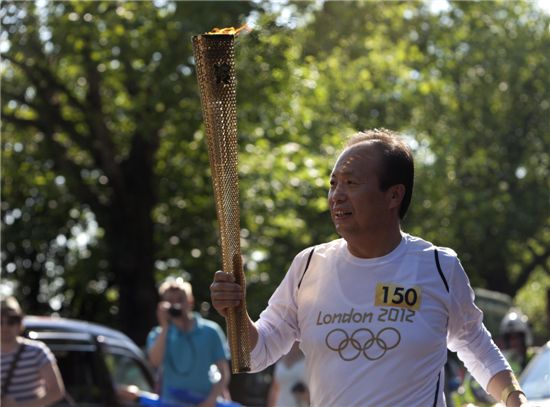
point(163, 317)
point(225, 293)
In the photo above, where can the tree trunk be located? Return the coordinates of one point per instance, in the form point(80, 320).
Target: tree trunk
point(132, 247)
point(132, 261)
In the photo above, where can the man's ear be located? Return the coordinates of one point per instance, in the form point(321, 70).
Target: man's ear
point(395, 195)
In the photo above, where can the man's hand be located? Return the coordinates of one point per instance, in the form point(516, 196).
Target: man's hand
point(499, 382)
point(225, 293)
point(163, 317)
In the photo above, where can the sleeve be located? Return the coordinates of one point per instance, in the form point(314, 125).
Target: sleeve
point(221, 347)
point(278, 323)
point(151, 337)
point(467, 336)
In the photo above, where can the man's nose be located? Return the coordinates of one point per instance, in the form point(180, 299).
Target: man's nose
point(337, 194)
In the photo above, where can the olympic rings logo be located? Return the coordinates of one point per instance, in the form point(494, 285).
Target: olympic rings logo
point(362, 341)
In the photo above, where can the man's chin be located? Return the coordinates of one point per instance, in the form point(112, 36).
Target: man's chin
point(343, 230)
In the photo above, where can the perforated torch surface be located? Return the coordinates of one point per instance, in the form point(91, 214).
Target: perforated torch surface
point(215, 65)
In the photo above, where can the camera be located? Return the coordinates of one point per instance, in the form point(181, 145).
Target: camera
point(175, 310)
point(299, 388)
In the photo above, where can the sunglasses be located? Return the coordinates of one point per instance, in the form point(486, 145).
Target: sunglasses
point(12, 320)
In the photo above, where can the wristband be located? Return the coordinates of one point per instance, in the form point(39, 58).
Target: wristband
point(509, 390)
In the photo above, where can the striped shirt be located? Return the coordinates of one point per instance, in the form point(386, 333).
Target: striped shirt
point(26, 383)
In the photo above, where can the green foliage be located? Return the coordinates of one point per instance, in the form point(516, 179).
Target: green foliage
point(484, 122)
point(103, 133)
point(532, 299)
point(105, 90)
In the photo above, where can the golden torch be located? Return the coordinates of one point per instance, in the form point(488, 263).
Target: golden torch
point(215, 66)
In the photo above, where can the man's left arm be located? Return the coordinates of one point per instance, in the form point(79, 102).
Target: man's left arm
point(474, 345)
point(504, 387)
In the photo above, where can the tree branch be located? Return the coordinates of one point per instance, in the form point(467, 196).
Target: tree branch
point(18, 98)
point(65, 165)
point(98, 143)
point(50, 107)
point(18, 121)
point(94, 118)
point(52, 80)
point(538, 260)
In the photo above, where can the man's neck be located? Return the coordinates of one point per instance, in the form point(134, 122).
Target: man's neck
point(186, 322)
point(375, 245)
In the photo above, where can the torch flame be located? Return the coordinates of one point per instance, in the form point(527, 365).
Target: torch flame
point(229, 30)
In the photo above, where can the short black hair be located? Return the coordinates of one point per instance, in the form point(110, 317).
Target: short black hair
point(397, 161)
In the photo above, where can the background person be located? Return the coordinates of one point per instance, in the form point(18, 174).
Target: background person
point(288, 386)
point(190, 351)
point(514, 341)
point(516, 338)
point(376, 310)
point(30, 376)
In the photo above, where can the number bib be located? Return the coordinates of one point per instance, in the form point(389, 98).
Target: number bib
point(393, 295)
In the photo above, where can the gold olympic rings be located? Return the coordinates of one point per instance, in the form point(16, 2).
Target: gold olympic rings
point(362, 341)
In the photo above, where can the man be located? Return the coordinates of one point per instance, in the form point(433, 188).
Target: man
point(30, 376)
point(190, 351)
point(376, 310)
point(516, 338)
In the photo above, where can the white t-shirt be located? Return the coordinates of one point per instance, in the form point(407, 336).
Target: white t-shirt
point(375, 332)
point(288, 377)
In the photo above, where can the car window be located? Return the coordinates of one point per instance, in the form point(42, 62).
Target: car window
point(535, 381)
point(127, 371)
point(80, 373)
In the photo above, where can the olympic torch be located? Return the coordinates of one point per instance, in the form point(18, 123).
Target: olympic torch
point(215, 66)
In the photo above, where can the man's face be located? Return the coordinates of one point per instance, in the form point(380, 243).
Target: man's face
point(516, 340)
point(179, 298)
point(357, 205)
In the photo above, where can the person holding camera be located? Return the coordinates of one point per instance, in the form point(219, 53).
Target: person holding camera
point(190, 352)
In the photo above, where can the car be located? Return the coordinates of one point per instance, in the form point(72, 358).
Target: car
point(251, 389)
point(97, 363)
point(535, 378)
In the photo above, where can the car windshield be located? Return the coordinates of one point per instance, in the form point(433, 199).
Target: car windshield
point(126, 371)
point(535, 381)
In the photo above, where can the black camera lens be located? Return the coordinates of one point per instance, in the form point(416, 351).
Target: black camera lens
point(175, 310)
point(298, 388)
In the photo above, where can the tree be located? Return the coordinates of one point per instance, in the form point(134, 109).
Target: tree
point(466, 85)
point(103, 134)
point(483, 116)
point(90, 92)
